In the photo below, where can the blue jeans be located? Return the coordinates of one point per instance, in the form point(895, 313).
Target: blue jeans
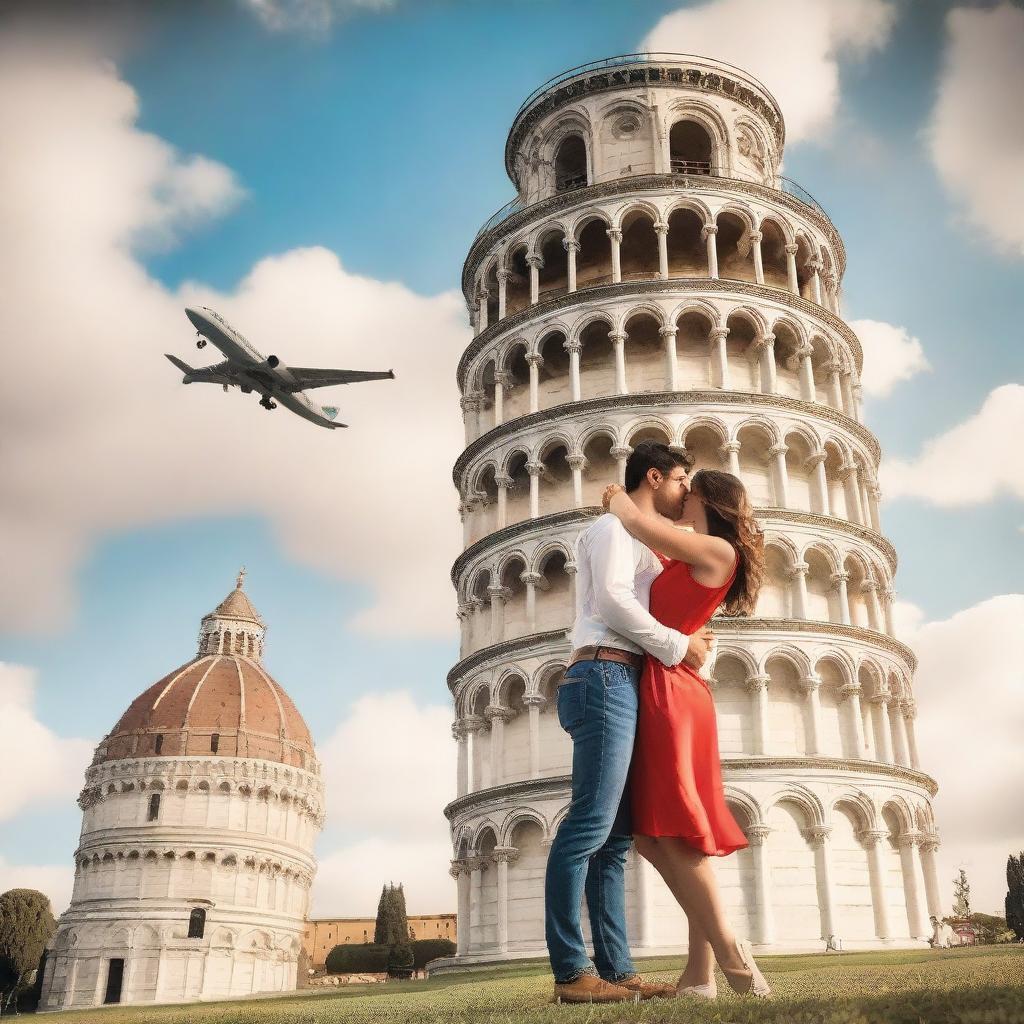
point(597, 707)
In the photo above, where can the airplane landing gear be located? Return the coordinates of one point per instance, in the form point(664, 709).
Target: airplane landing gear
point(201, 343)
point(267, 402)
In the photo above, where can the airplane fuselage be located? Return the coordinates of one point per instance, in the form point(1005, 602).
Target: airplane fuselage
point(250, 369)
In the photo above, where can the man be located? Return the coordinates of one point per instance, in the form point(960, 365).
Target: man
point(597, 706)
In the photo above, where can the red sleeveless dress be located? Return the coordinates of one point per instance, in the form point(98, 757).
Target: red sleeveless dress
point(675, 777)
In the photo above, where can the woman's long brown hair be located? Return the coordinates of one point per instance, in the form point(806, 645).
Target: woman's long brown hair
point(731, 517)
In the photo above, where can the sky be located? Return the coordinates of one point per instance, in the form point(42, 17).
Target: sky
point(316, 170)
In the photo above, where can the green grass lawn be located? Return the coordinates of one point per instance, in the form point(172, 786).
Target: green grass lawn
point(983, 985)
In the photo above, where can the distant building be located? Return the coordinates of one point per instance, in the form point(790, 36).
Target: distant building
point(323, 934)
point(195, 862)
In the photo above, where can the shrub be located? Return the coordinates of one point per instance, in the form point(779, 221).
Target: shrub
point(425, 950)
point(367, 958)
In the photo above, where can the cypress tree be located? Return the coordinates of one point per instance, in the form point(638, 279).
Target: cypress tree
point(26, 925)
point(1015, 894)
point(380, 926)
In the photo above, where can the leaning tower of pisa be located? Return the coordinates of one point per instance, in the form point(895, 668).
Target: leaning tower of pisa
point(655, 277)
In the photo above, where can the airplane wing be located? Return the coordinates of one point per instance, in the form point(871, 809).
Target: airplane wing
point(311, 377)
point(219, 373)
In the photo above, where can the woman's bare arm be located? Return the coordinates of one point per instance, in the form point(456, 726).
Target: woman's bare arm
point(713, 554)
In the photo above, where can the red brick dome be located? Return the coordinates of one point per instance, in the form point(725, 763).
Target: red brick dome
point(221, 703)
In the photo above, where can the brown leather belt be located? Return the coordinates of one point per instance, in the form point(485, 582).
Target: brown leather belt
point(630, 658)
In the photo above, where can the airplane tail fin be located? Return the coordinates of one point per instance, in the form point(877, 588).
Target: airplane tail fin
point(180, 364)
point(331, 413)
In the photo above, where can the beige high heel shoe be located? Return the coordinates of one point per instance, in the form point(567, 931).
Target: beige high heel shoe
point(708, 991)
point(758, 983)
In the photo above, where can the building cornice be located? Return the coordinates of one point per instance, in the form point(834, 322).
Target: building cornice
point(679, 400)
point(560, 785)
point(653, 287)
point(539, 644)
point(580, 516)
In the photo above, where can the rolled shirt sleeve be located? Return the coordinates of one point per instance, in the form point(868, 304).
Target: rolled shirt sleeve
point(613, 569)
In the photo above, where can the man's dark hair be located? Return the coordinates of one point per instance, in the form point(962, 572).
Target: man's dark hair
point(653, 455)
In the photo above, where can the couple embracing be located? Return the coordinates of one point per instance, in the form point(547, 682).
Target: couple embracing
point(645, 764)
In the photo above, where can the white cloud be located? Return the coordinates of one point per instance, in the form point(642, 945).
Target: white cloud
point(403, 757)
point(975, 134)
point(970, 719)
point(46, 766)
point(973, 462)
point(891, 355)
point(389, 769)
point(793, 46)
point(99, 433)
point(311, 16)
point(52, 881)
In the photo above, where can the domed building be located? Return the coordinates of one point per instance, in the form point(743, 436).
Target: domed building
point(195, 862)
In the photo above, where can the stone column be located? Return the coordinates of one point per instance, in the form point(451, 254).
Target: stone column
point(778, 453)
point(661, 230)
point(482, 317)
point(794, 283)
point(764, 918)
point(910, 713)
point(818, 837)
point(765, 348)
point(570, 571)
point(571, 247)
point(476, 865)
point(498, 594)
point(574, 346)
point(462, 771)
point(812, 687)
point(869, 588)
point(873, 839)
point(621, 452)
point(839, 581)
point(503, 482)
point(530, 580)
point(616, 237)
point(835, 394)
point(708, 233)
point(534, 703)
point(644, 902)
point(720, 356)
point(805, 368)
point(929, 847)
point(798, 574)
point(731, 451)
point(848, 475)
point(500, 381)
point(459, 872)
point(534, 469)
point(814, 465)
point(850, 692)
point(534, 359)
point(498, 716)
point(874, 496)
point(757, 685)
point(576, 464)
point(846, 389)
point(883, 732)
point(755, 248)
point(473, 725)
point(535, 262)
point(503, 275)
point(912, 883)
point(618, 339)
point(668, 337)
point(503, 856)
point(470, 405)
point(815, 268)
point(902, 747)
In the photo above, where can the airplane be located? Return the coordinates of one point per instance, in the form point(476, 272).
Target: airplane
point(247, 369)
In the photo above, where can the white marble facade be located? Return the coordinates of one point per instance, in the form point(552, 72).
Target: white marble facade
point(193, 870)
point(657, 278)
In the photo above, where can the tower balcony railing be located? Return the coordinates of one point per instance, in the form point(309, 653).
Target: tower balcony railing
point(682, 171)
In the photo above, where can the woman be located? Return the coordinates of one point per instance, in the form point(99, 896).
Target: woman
point(680, 817)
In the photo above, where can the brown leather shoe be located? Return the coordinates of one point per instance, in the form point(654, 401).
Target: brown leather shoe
point(648, 989)
point(588, 988)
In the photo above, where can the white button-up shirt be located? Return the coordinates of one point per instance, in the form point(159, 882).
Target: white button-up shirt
point(614, 573)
